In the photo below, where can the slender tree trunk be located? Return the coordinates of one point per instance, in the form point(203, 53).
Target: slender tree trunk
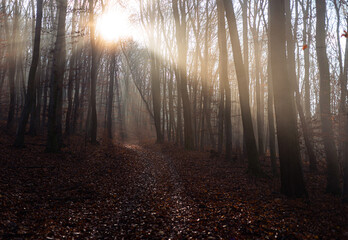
point(244, 5)
point(12, 67)
point(205, 90)
point(54, 140)
point(333, 181)
point(223, 72)
point(343, 85)
point(30, 98)
point(34, 117)
point(181, 38)
point(345, 152)
point(259, 107)
point(119, 108)
point(111, 94)
point(4, 19)
point(270, 106)
point(93, 82)
point(293, 79)
point(220, 118)
point(155, 74)
point(170, 106)
point(292, 182)
point(250, 142)
point(272, 139)
point(306, 41)
point(72, 72)
point(35, 122)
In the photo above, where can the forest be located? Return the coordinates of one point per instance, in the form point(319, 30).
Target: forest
point(173, 119)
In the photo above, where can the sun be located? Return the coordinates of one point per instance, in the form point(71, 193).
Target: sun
point(114, 26)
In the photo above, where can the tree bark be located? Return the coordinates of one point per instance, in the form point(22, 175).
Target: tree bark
point(250, 142)
point(333, 181)
point(93, 82)
point(223, 72)
point(111, 94)
point(181, 39)
point(54, 141)
point(30, 97)
point(12, 67)
point(294, 83)
point(292, 182)
point(345, 152)
point(72, 72)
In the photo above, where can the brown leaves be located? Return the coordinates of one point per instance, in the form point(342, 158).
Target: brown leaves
point(152, 192)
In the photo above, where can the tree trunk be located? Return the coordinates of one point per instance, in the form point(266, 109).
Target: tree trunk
point(30, 98)
point(12, 67)
point(223, 72)
point(292, 182)
point(270, 106)
point(259, 96)
point(293, 79)
point(272, 139)
point(111, 94)
point(244, 5)
point(93, 82)
point(345, 152)
point(333, 181)
point(34, 115)
point(250, 142)
point(54, 140)
point(72, 72)
point(181, 39)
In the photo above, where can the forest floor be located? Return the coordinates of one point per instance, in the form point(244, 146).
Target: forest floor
point(149, 191)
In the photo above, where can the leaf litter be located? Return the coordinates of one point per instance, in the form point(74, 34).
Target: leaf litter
point(148, 191)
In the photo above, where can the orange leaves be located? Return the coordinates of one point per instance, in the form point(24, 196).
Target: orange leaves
point(345, 34)
point(304, 47)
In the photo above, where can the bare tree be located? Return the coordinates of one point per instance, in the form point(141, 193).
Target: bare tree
point(12, 66)
point(223, 61)
point(92, 117)
point(333, 182)
point(250, 142)
point(181, 39)
point(292, 182)
point(54, 134)
point(30, 97)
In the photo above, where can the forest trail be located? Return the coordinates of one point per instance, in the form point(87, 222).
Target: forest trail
point(158, 182)
point(151, 191)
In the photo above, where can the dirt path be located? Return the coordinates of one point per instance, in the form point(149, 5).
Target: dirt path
point(157, 191)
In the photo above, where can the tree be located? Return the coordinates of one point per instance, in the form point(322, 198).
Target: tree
point(30, 97)
point(12, 66)
point(54, 134)
point(333, 182)
point(155, 75)
point(292, 182)
point(345, 153)
point(291, 65)
point(113, 74)
point(270, 105)
point(72, 72)
point(181, 40)
point(255, 29)
point(92, 118)
point(250, 142)
point(223, 61)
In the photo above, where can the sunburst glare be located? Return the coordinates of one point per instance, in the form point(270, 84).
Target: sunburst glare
point(114, 25)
